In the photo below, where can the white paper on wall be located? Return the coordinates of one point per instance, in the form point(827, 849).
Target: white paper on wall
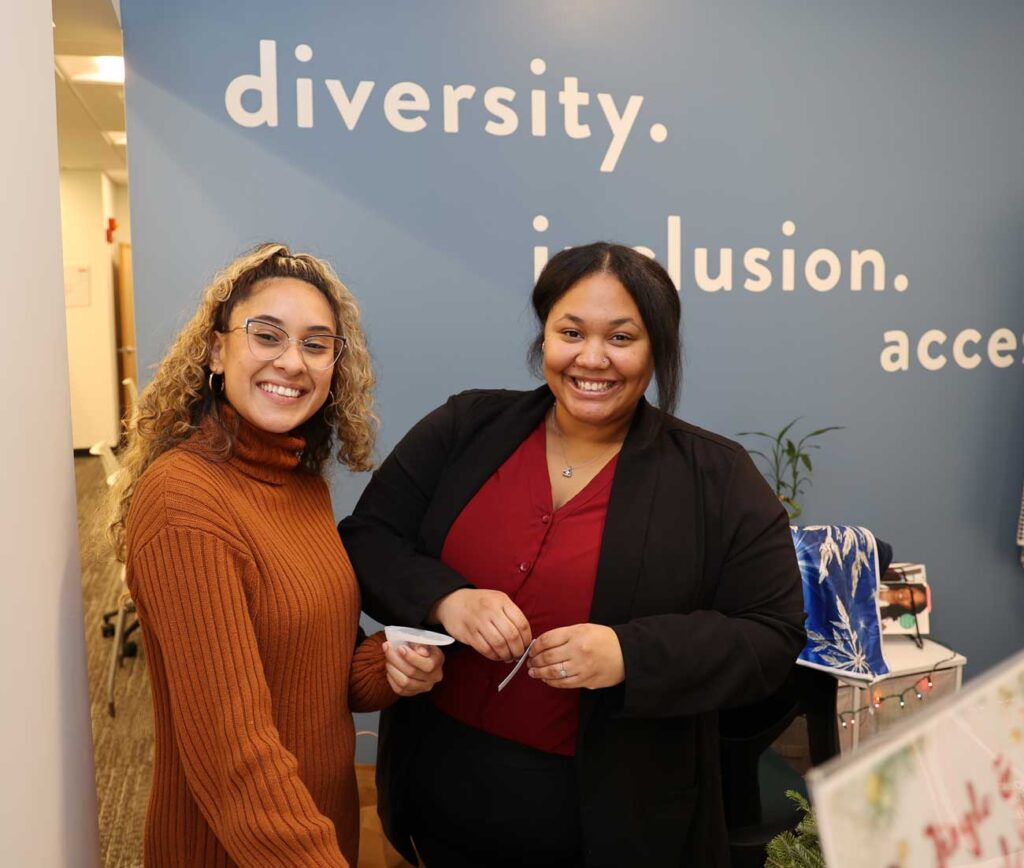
point(76, 286)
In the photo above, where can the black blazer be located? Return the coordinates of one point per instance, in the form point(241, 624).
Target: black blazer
point(697, 576)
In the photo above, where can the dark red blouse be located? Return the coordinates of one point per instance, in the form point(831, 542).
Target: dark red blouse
point(508, 538)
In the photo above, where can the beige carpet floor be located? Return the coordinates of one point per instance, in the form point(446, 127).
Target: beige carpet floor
point(123, 745)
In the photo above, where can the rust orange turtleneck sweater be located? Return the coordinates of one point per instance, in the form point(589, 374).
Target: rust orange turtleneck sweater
point(250, 611)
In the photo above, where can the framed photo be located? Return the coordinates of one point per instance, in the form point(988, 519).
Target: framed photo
point(905, 600)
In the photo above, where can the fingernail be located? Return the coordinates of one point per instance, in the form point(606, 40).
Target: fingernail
point(386, 646)
point(403, 650)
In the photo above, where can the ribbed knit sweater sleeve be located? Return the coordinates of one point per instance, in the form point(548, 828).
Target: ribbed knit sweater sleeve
point(193, 589)
point(368, 688)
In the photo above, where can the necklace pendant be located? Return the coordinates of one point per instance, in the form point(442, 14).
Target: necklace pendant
point(567, 473)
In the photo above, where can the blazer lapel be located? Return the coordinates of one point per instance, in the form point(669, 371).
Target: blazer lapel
point(625, 534)
point(486, 451)
point(625, 528)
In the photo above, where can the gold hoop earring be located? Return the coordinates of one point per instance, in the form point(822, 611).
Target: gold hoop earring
point(209, 383)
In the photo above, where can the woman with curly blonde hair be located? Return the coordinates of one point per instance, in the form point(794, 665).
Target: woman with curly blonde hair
point(247, 601)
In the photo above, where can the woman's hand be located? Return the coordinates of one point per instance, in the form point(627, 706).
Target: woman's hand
point(412, 669)
point(584, 655)
point(487, 621)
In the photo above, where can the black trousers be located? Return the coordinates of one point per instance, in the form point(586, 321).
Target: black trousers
point(479, 801)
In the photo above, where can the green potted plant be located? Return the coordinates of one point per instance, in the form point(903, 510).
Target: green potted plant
point(800, 848)
point(788, 462)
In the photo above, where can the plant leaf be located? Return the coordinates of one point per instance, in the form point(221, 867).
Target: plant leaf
point(785, 430)
point(807, 462)
point(817, 433)
point(797, 797)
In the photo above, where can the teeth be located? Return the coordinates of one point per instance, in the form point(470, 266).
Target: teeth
point(593, 385)
point(280, 390)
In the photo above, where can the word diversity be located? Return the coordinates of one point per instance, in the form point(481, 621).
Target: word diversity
point(407, 105)
point(756, 270)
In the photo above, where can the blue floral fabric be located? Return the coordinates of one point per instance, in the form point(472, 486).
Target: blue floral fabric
point(839, 566)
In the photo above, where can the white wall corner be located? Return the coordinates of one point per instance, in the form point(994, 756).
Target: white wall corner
point(48, 797)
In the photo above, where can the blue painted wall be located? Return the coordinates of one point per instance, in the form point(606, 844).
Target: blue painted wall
point(868, 126)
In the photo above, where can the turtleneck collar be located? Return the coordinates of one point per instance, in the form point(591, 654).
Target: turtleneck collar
point(260, 454)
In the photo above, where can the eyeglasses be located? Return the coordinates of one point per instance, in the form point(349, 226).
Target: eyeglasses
point(268, 342)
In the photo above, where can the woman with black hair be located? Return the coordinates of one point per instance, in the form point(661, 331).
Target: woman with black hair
point(646, 560)
point(897, 599)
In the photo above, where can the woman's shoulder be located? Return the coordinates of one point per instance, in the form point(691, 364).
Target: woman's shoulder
point(466, 411)
point(181, 488)
point(681, 431)
point(479, 406)
point(482, 399)
point(180, 467)
point(721, 462)
point(710, 450)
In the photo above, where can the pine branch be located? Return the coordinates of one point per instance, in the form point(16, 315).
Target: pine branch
point(801, 849)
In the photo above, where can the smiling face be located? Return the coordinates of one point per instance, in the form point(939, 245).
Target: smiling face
point(279, 395)
point(597, 354)
point(912, 597)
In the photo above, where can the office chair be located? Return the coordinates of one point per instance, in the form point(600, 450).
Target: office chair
point(115, 622)
point(754, 777)
point(132, 407)
point(105, 452)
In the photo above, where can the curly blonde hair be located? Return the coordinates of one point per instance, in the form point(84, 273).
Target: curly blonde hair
point(180, 397)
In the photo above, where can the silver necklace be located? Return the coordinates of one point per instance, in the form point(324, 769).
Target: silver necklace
point(567, 471)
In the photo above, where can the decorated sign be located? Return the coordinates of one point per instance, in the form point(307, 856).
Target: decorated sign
point(946, 789)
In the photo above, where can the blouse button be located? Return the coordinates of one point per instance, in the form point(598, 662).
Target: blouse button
point(523, 567)
point(545, 518)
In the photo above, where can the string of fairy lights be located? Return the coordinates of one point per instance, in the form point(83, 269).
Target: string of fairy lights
point(915, 692)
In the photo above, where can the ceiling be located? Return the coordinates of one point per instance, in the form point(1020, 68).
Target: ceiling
point(86, 111)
